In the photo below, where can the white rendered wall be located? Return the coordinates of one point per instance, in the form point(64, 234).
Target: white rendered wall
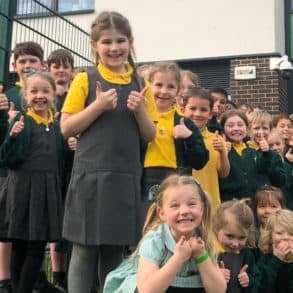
point(196, 29)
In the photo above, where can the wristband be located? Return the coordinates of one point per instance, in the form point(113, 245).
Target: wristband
point(202, 258)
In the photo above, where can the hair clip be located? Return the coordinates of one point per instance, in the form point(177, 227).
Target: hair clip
point(153, 191)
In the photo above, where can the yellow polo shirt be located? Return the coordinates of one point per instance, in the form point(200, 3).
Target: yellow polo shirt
point(161, 151)
point(208, 175)
point(79, 88)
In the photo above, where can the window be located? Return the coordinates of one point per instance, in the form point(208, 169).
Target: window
point(75, 5)
point(40, 7)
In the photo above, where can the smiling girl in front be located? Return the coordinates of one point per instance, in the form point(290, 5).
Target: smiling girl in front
point(32, 151)
point(177, 252)
point(234, 225)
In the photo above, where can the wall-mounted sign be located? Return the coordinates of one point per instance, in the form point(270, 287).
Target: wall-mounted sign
point(245, 72)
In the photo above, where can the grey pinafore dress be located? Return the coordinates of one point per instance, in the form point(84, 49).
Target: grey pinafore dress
point(34, 210)
point(103, 198)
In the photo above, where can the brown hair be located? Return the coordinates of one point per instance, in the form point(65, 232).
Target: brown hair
point(43, 75)
point(191, 75)
point(201, 93)
point(230, 113)
point(114, 20)
point(166, 67)
point(60, 57)
point(28, 48)
point(241, 213)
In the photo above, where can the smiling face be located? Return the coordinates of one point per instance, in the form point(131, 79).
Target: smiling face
point(235, 129)
point(165, 88)
point(61, 73)
point(25, 64)
point(39, 95)
point(266, 207)
point(198, 110)
point(279, 234)
point(276, 143)
point(285, 126)
point(182, 210)
point(113, 49)
point(259, 131)
point(231, 236)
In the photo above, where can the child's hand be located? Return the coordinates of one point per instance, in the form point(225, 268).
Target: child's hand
point(107, 99)
point(226, 272)
point(197, 245)
point(3, 100)
point(217, 142)
point(183, 249)
point(136, 99)
point(72, 143)
point(228, 143)
point(263, 144)
point(243, 276)
point(289, 155)
point(180, 130)
point(17, 127)
point(282, 250)
point(12, 112)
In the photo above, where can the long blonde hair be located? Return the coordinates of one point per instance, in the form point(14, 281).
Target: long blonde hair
point(205, 229)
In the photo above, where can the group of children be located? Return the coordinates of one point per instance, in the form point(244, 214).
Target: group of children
point(129, 135)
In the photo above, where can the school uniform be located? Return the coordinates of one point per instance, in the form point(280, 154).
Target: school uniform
point(208, 176)
point(13, 95)
point(234, 262)
point(287, 188)
point(157, 246)
point(166, 154)
point(103, 199)
point(250, 169)
point(34, 159)
point(276, 275)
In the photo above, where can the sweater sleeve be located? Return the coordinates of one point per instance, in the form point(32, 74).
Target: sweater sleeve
point(13, 150)
point(271, 163)
point(268, 266)
point(195, 152)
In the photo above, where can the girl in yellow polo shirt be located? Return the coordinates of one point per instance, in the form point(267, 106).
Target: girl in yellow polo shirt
point(178, 146)
point(112, 110)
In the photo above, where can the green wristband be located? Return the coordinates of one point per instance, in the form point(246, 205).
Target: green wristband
point(202, 258)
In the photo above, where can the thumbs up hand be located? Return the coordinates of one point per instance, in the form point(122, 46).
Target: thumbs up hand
point(12, 112)
point(181, 131)
point(243, 276)
point(107, 99)
point(289, 154)
point(217, 142)
point(135, 100)
point(263, 144)
point(228, 143)
point(226, 272)
point(17, 127)
point(3, 100)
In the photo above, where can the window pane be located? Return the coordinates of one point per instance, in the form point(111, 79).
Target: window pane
point(31, 7)
point(75, 5)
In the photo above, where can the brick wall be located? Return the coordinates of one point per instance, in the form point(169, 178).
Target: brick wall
point(267, 90)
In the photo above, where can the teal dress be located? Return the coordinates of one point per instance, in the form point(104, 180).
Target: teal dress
point(157, 246)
